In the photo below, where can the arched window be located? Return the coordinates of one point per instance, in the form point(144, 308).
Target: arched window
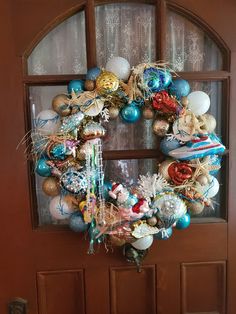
point(139, 32)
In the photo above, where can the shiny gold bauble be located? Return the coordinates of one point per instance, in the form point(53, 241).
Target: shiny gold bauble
point(116, 241)
point(107, 82)
point(60, 105)
point(152, 221)
point(160, 127)
point(202, 179)
point(89, 85)
point(51, 186)
point(184, 101)
point(114, 112)
point(163, 168)
point(148, 113)
point(93, 130)
point(195, 208)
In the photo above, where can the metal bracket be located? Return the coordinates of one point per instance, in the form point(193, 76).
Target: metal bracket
point(17, 306)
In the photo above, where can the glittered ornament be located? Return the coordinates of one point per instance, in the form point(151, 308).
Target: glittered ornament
point(42, 168)
point(76, 223)
point(160, 127)
point(74, 181)
point(93, 130)
point(195, 208)
point(107, 82)
point(59, 208)
point(70, 123)
point(58, 151)
point(114, 112)
point(60, 104)
point(93, 73)
point(75, 85)
point(151, 80)
point(89, 85)
point(169, 207)
point(51, 186)
point(148, 113)
point(183, 222)
point(130, 113)
point(164, 234)
point(47, 122)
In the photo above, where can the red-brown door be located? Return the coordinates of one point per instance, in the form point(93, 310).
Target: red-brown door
point(48, 266)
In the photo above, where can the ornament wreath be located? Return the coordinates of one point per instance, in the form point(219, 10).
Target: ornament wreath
point(67, 149)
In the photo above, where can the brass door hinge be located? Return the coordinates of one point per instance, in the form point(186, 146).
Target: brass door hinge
point(17, 306)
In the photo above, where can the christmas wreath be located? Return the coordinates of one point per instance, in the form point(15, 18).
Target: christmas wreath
point(67, 149)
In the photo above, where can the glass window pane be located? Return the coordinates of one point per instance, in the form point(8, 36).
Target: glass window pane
point(126, 30)
point(188, 48)
point(61, 51)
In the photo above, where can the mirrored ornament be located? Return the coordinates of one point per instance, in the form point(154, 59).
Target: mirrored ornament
point(60, 104)
point(143, 243)
point(76, 223)
point(74, 181)
point(42, 168)
point(70, 123)
point(183, 222)
point(169, 207)
point(93, 130)
point(179, 88)
point(75, 85)
point(51, 186)
point(47, 122)
point(59, 208)
point(160, 127)
point(107, 82)
point(130, 113)
point(93, 73)
point(164, 234)
point(120, 67)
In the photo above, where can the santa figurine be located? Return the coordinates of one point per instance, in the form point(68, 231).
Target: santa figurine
point(119, 193)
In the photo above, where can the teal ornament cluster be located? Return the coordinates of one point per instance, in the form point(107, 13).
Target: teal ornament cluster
point(130, 113)
point(156, 80)
point(58, 152)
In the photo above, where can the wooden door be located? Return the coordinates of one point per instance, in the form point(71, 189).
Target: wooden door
point(193, 272)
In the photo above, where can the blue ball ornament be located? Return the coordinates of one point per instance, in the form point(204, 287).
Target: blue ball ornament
point(76, 223)
point(179, 88)
point(106, 188)
point(164, 234)
point(76, 85)
point(130, 113)
point(58, 152)
point(42, 168)
point(183, 222)
point(168, 145)
point(165, 78)
point(93, 73)
point(152, 79)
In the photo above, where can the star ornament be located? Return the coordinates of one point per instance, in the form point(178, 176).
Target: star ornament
point(203, 166)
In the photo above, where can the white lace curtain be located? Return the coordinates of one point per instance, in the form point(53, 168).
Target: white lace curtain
point(126, 30)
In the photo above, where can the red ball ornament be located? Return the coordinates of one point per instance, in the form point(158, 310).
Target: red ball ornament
point(164, 103)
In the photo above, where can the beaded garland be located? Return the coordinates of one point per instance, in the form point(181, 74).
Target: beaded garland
point(67, 147)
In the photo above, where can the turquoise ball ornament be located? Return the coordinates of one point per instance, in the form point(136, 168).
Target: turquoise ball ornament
point(93, 73)
point(179, 88)
point(164, 234)
point(42, 168)
point(183, 222)
point(106, 188)
point(152, 80)
point(165, 78)
point(168, 145)
point(76, 223)
point(76, 85)
point(130, 113)
point(58, 152)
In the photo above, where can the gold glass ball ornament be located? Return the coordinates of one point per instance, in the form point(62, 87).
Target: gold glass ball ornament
point(148, 113)
point(114, 112)
point(60, 105)
point(51, 186)
point(184, 101)
point(160, 127)
point(107, 82)
point(89, 85)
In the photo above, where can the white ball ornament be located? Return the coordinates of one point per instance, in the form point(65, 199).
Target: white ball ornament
point(119, 66)
point(199, 102)
point(210, 190)
point(143, 243)
point(59, 208)
point(47, 122)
